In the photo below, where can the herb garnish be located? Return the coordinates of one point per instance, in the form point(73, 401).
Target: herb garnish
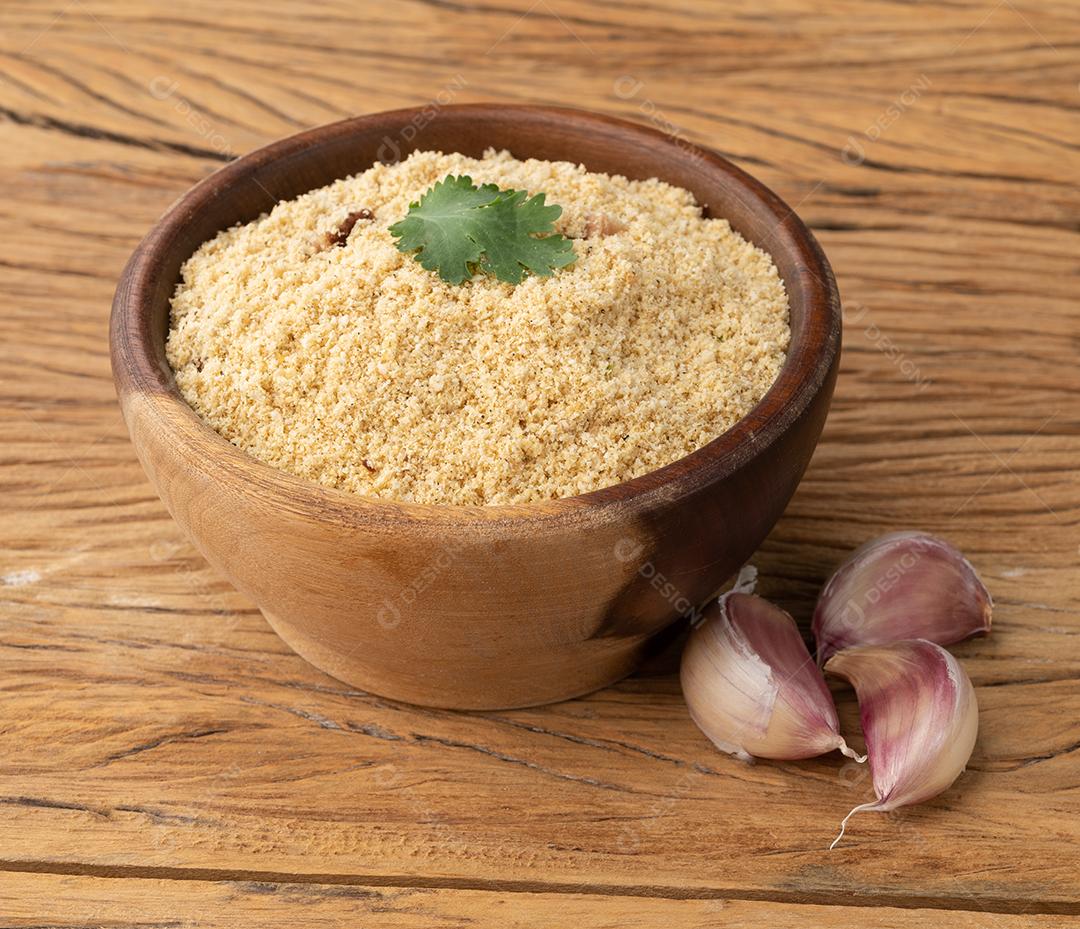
point(457, 229)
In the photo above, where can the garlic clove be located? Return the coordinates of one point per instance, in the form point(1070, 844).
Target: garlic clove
point(906, 585)
point(752, 687)
point(919, 716)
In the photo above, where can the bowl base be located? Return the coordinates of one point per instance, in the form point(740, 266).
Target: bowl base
point(572, 671)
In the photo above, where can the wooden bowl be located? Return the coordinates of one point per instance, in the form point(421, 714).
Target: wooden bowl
point(475, 607)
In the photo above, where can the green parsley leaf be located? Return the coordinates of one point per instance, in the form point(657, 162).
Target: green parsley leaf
point(457, 228)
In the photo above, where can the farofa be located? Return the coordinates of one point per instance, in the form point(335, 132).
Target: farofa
point(356, 368)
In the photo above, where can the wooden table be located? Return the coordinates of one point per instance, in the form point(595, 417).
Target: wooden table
point(165, 760)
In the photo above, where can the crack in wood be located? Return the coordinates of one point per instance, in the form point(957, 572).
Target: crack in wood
point(83, 131)
point(847, 898)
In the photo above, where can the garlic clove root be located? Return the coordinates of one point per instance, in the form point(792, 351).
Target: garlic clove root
point(906, 585)
point(752, 687)
point(919, 716)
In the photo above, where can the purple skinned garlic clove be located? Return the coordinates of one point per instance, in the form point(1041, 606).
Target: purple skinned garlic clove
point(919, 717)
point(906, 585)
point(752, 687)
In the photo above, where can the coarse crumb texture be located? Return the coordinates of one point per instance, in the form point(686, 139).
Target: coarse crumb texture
point(351, 365)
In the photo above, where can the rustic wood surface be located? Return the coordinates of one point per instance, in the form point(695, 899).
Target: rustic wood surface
point(164, 758)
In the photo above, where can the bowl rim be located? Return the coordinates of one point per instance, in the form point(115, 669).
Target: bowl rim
point(812, 354)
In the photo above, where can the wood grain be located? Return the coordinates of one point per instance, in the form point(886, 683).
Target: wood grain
point(74, 902)
point(155, 727)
